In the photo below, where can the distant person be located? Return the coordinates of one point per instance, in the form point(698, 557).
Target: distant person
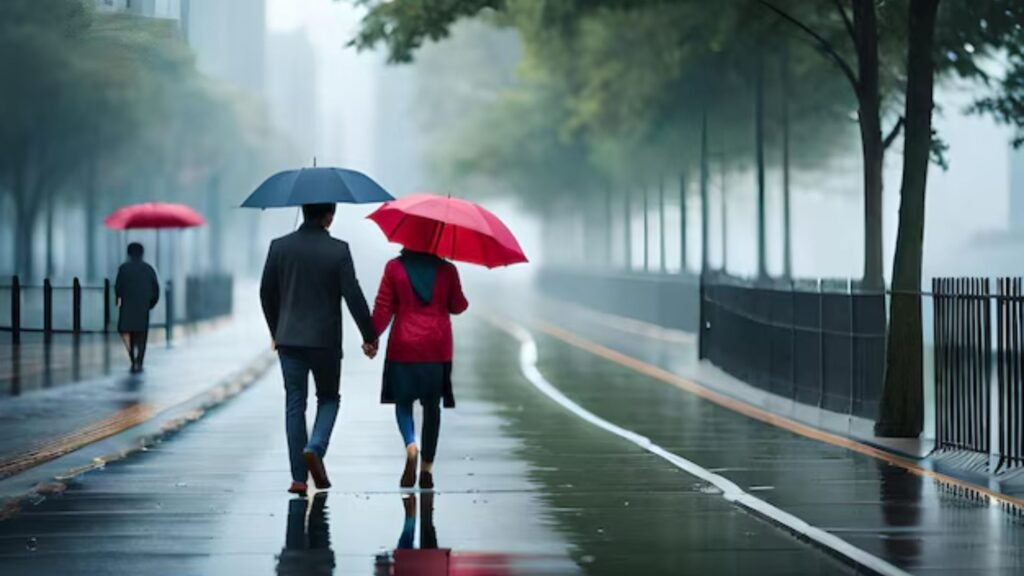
point(138, 291)
point(306, 276)
point(420, 292)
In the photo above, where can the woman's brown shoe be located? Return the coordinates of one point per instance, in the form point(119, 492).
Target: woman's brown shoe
point(426, 480)
point(409, 475)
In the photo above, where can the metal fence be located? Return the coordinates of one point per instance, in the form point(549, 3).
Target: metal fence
point(966, 419)
point(669, 300)
point(820, 343)
point(77, 308)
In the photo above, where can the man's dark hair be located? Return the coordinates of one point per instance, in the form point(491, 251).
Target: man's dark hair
point(135, 250)
point(316, 212)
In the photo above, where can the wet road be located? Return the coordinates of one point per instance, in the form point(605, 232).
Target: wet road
point(524, 487)
point(919, 524)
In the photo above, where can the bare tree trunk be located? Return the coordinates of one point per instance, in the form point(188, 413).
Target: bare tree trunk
point(216, 227)
point(662, 260)
point(682, 223)
point(902, 409)
point(787, 228)
point(704, 220)
point(91, 219)
point(628, 212)
point(762, 248)
point(50, 271)
point(865, 25)
point(724, 201)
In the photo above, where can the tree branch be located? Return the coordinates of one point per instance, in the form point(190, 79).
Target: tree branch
point(822, 43)
point(893, 134)
point(847, 23)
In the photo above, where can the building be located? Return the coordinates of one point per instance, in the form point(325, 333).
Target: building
point(292, 90)
point(229, 39)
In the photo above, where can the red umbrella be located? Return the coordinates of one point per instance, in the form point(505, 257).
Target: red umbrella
point(154, 215)
point(450, 228)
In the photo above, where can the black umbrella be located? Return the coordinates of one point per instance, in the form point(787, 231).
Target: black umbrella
point(316, 186)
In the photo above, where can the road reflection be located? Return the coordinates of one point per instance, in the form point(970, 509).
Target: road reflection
point(307, 550)
point(429, 559)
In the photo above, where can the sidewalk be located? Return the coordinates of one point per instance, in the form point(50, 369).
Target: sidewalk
point(43, 424)
point(523, 487)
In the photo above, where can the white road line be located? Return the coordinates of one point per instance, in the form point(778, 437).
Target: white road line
point(730, 491)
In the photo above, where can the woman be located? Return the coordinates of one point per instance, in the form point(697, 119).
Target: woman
point(138, 291)
point(420, 292)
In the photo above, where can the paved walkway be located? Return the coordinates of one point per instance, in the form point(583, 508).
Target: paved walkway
point(43, 423)
point(524, 487)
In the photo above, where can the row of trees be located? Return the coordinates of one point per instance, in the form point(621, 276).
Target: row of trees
point(615, 88)
point(98, 110)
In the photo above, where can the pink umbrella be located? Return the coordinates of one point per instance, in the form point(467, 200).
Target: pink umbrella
point(450, 228)
point(154, 215)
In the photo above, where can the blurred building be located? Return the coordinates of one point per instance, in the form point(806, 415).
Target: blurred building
point(292, 89)
point(1016, 223)
point(229, 39)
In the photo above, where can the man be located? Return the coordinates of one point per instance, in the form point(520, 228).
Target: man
point(306, 276)
point(138, 291)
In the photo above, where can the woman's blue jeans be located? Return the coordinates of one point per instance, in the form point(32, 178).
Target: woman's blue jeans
point(431, 426)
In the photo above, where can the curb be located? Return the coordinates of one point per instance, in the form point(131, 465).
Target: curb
point(169, 421)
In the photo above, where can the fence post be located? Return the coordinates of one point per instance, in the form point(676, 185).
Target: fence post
point(106, 305)
point(169, 307)
point(76, 305)
point(16, 309)
point(47, 306)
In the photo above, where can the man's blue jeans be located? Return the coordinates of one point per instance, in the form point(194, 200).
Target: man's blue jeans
point(296, 364)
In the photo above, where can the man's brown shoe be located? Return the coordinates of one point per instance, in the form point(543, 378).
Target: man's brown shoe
point(315, 464)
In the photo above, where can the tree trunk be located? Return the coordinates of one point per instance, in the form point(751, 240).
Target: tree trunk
point(609, 249)
point(628, 212)
point(724, 201)
point(762, 254)
point(50, 268)
point(91, 219)
point(787, 228)
point(216, 227)
point(901, 412)
point(865, 25)
point(704, 220)
point(662, 260)
point(682, 224)
point(647, 233)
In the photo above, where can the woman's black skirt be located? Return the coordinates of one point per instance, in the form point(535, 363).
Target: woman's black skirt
point(407, 382)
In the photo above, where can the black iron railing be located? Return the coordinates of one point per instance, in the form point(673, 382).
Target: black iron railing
point(820, 343)
point(82, 309)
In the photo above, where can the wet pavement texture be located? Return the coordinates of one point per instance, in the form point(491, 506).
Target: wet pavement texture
point(919, 524)
point(55, 414)
point(523, 487)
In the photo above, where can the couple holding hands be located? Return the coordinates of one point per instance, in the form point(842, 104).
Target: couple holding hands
point(307, 275)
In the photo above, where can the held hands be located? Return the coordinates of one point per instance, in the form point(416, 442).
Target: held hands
point(370, 349)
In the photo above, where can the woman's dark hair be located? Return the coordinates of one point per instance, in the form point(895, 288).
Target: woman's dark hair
point(316, 212)
point(135, 250)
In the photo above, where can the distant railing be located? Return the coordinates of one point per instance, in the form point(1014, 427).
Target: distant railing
point(819, 343)
point(80, 309)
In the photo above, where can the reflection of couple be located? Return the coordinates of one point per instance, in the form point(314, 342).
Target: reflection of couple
point(306, 276)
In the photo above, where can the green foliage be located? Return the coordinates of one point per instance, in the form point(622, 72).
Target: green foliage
point(404, 25)
point(110, 102)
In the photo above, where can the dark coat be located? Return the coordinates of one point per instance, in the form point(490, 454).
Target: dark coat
point(138, 290)
point(306, 276)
